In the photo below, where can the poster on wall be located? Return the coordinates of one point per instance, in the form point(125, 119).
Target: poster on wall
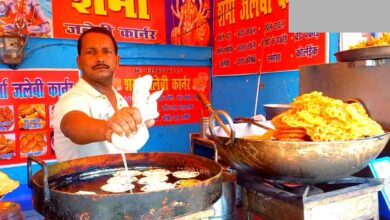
point(27, 102)
point(252, 37)
point(26, 17)
point(139, 21)
point(178, 103)
point(189, 22)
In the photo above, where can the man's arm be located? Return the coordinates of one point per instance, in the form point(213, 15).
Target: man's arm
point(82, 129)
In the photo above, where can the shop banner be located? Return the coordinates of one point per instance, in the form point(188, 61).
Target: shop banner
point(27, 102)
point(178, 103)
point(251, 36)
point(140, 21)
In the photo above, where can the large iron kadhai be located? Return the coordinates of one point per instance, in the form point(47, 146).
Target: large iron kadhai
point(163, 204)
point(307, 162)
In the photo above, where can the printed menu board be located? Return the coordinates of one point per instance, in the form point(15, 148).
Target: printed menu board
point(252, 37)
point(27, 103)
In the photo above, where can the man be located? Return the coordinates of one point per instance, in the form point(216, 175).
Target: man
point(88, 114)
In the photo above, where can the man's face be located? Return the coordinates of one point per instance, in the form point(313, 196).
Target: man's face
point(97, 59)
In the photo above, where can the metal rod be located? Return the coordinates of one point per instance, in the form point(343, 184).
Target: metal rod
point(257, 92)
point(259, 78)
point(207, 105)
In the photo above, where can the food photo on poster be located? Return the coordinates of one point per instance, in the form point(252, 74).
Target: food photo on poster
point(31, 116)
point(6, 118)
point(33, 143)
point(8, 147)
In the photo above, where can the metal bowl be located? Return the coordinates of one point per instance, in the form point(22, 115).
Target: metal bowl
point(303, 161)
point(272, 110)
point(366, 53)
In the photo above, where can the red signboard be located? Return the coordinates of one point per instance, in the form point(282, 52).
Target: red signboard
point(252, 36)
point(178, 103)
point(129, 20)
point(27, 102)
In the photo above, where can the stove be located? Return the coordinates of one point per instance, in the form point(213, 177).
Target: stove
point(345, 198)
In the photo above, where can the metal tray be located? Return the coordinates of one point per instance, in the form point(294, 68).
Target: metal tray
point(366, 53)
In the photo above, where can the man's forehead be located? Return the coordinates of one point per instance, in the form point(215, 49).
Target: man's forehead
point(94, 40)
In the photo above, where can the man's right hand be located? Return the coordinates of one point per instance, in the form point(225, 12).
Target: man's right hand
point(124, 121)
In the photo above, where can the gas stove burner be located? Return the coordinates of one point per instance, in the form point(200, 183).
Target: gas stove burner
point(296, 189)
point(306, 190)
point(314, 201)
point(299, 190)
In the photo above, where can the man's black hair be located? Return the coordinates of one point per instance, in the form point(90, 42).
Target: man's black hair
point(96, 30)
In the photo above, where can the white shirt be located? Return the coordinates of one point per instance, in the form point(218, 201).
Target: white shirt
point(83, 97)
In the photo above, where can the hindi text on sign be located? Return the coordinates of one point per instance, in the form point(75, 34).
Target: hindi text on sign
point(101, 7)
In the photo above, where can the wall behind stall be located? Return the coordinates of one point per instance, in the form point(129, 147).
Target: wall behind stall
point(237, 94)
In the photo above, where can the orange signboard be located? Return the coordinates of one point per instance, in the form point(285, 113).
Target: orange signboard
point(129, 20)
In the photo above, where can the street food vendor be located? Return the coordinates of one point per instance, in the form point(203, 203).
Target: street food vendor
point(88, 114)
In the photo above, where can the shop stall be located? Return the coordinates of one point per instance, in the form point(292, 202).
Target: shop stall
point(217, 64)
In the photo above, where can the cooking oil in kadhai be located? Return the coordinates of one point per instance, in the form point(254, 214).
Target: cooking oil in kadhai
point(93, 180)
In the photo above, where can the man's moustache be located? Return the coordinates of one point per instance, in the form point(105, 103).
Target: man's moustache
point(100, 66)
